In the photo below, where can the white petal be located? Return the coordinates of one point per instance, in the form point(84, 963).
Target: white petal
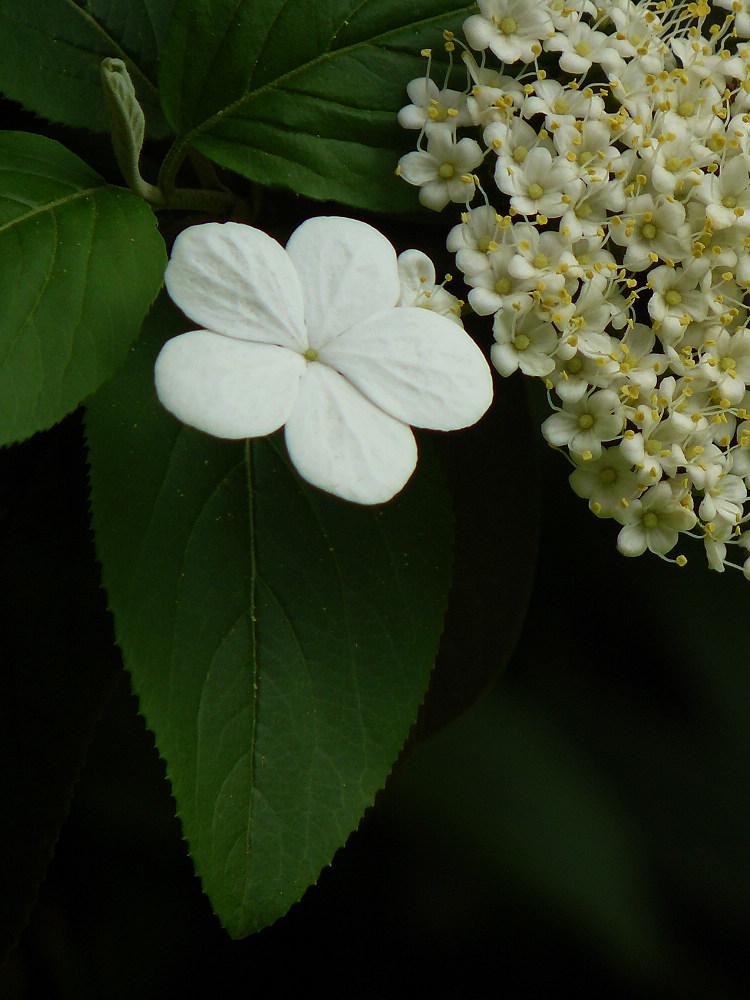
point(417, 366)
point(632, 540)
point(341, 443)
point(348, 271)
point(238, 281)
point(225, 387)
point(418, 167)
point(422, 90)
point(415, 271)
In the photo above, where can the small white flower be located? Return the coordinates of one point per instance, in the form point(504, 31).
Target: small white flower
point(654, 521)
point(498, 288)
point(679, 297)
point(310, 338)
point(724, 500)
point(582, 426)
point(512, 29)
point(432, 106)
point(580, 46)
point(654, 228)
point(475, 238)
point(574, 376)
point(726, 195)
point(443, 172)
point(539, 184)
point(609, 483)
point(727, 364)
point(522, 341)
point(419, 287)
point(494, 96)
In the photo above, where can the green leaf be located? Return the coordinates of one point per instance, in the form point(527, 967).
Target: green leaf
point(80, 263)
point(280, 640)
point(302, 94)
point(50, 52)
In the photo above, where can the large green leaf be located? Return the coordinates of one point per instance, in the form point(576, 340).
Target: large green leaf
point(280, 640)
point(51, 50)
point(302, 93)
point(80, 263)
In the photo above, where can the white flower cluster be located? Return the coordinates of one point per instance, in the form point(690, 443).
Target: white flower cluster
point(618, 269)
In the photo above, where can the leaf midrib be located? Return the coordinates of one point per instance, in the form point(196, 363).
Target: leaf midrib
point(117, 48)
point(50, 206)
point(253, 639)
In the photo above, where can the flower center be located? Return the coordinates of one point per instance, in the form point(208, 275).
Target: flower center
point(535, 191)
point(560, 107)
point(607, 476)
point(729, 201)
point(585, 421)
point(483, 243)
point(508, 25)
point(520, 153)
point(521, 342)
point(574, 366)
point(673, 164)
point(727, 364)
point(673, 297)
point(582, 49)
point(310, 354)
point(502, 286)
point(648, 230)
point(650, 520)
point(446, 171)
point(437, 113)
point(686, 109)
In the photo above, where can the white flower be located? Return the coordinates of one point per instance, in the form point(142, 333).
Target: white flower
point(443, 172)
point(512, 29)
point(609, 483)
point(498, 288)
point(430, 105)
point(655, 229)
point(494, 96)
point(723, 501)
point(727, 364)
point(539, 184)
point(475, 238)
point(726, 195)
point(582, 426)
point(522, 341)
point(580, 46)
point(654, 521)
point(679, 298)
point(419, 287)
point(310, 338)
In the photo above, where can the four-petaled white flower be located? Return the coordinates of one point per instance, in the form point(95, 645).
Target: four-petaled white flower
point(311, 338)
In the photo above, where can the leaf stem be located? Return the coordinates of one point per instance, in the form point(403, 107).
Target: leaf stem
point(220, 203)
point(171, 166)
